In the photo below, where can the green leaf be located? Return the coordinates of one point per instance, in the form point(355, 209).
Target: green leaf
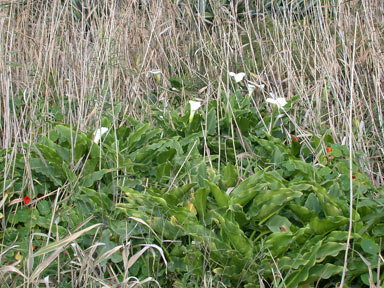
point(44, 207)
point(77, 140)
point(370, 247)
point(299, 166)
point(212, 122)
point(330, 249)
point(303, 213)
point(248, 189)
point(269, 202)
point(378, 230)
point(176, 83)
point(278, 242)
point(325, 271)
point(22, 215)
point(91, 178)
point(313, 203)
point(325, 172)
point(336, 150)
point(369, 279)
point(278, 223)
point(236, 236)
point(166, 155)
point(277, 155)
point(230, 175)
point(297, 277)
point(201, 201)
point(164, 171)
point(220, 196)
point(135, 136)
point(37, 165)
point(325, 225)
point(108, 246)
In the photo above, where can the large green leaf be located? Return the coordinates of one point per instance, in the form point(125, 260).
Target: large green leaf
point(201, 201)
point(295, 278)
point(220, 196)
point(90, 179)
point(269, 202)
point(370, 246)
point(326, 225)
point(247, 190)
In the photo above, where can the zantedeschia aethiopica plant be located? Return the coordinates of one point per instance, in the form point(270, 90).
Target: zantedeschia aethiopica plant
point(195, 105)
point(279, 101)
point(98, 133)
point(238, 77)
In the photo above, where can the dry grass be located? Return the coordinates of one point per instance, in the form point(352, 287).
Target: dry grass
point(52, 59)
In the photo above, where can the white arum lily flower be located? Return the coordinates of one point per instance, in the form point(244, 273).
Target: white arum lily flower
point(238, 77)
point(252, 86)
point(279, 101)
point(156, 73)
point(98, 133)
point(195, 105)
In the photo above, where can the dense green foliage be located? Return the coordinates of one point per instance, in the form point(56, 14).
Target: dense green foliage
point(223, 192)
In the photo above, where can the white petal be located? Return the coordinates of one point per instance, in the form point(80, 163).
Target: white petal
point(280, 101)
point(194, 105)
point(273, 95)
point(238, 77)
point(46, 281)
point(154, 72)
point(271, 100)
point(98, 133)
point(251, 88)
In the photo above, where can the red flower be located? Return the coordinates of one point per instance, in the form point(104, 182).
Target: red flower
point(27, 199)
point(358, 171)
point(353, 177)
point(329, 149)
point(296, 139)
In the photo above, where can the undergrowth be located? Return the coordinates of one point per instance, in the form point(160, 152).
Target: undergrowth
point(110, 177)
point(242, 209)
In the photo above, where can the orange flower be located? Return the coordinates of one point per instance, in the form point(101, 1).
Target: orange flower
point(296, 139)
point(329, 149)
point(27, 199)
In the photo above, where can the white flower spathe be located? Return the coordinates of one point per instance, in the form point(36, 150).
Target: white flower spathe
point(279, 101)
point(252, 86)
point(98, 133)
point(238, 77)
point(154, 72)
point(195, 105)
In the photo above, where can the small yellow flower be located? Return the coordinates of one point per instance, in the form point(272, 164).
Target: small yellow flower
point(190, 207)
